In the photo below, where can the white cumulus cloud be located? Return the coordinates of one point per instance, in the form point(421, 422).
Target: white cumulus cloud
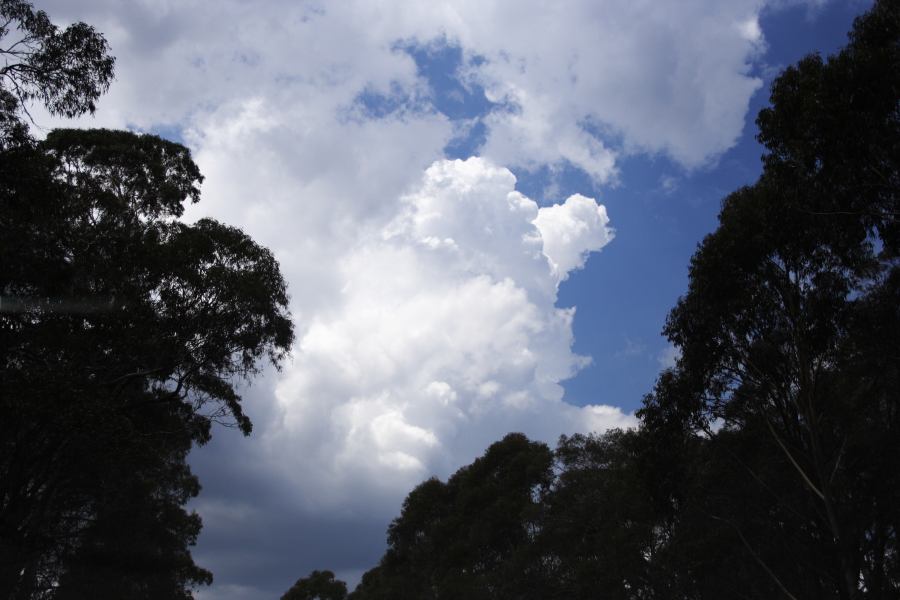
point(571, 230)
point(576, 83)
point(445, 333)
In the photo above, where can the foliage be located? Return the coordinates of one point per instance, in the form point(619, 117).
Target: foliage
point(67, 71)
point(779, 344)
point(319, 585)
point(600, 525)
point(525, 522)
point(124, 332)
point(468, 537)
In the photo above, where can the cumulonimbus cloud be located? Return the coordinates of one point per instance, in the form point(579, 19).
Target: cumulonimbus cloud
point(445, 332)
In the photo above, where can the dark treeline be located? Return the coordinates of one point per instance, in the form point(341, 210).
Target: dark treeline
point(124, 333)
point(767, 462)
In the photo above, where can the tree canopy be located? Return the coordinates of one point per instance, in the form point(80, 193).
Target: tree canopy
point(66, 71)
point(125, 332)
point(788, 330)
point(318, 585)
point(468, 537)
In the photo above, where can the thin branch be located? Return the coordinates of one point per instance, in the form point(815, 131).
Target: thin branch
point(786, 505)
point(134, 374)
point(756, 557)
point(837, 461)
point(797, 466)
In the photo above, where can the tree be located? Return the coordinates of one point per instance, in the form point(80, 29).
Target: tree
point(67, 71)
point(783, 371)
point(471, 536)
point(125, 333)
point(524, 522)
point(600, 534)
point(318, 585)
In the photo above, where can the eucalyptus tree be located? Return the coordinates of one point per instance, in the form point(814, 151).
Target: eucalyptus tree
point(790, 332)
point(125, 333)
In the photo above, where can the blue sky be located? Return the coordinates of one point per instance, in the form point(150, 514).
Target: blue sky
point(661, 209)
point(658, 229)
point(484, 213)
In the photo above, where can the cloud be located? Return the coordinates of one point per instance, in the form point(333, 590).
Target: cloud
point(445, 333)
point(668, 357)
point(438, 334)
point(603, 78)
point(668, 184)
point(599, 79)
point(570, 231)
point(631, 348)
point(308, 184)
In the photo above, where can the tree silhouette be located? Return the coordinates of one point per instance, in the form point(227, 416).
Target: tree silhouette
point(125, 334)
point(782, 367)
point(67, 71)
point(318, 585)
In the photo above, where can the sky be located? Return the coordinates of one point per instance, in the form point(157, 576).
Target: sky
point(484, 211)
